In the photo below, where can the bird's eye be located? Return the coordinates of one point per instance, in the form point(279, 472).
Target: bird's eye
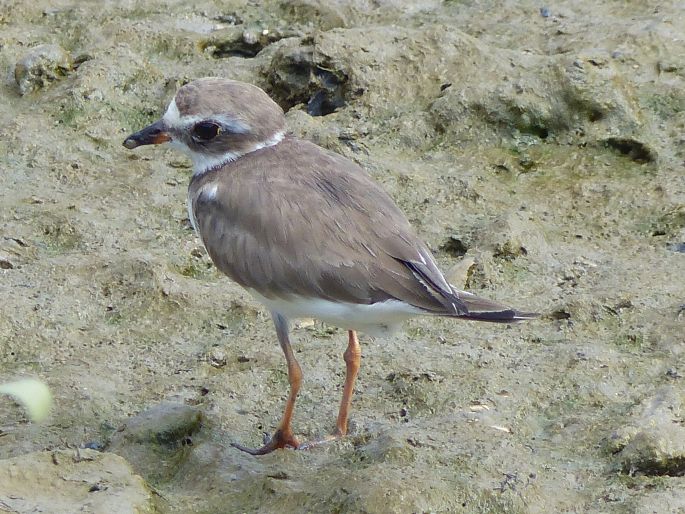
point(206, 130)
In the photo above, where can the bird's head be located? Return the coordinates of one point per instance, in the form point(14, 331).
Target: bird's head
point(215, 121)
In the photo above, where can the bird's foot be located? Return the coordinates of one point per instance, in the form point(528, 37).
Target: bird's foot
point(280, 439)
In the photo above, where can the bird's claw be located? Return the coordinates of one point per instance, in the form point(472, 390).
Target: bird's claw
point(280, 439)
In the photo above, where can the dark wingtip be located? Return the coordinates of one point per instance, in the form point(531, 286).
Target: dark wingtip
point(505, 316)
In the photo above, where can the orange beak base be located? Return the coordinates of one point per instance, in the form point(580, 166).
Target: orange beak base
point(154, 134)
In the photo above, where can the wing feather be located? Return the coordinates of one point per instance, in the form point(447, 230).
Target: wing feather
point(295, 219)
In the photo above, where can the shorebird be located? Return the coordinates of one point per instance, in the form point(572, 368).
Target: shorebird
point(306, 231)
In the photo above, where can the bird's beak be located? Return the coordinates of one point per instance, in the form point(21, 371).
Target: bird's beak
point(154, 134)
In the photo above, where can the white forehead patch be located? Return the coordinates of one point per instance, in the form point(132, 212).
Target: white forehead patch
point(173, 119)
point(172, 116)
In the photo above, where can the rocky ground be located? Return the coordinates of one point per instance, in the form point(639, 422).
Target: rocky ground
point(538, 150)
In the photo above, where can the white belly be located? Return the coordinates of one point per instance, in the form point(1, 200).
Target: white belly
point(375, 319)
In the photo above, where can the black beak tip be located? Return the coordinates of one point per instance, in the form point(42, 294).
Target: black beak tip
point(130, 143)
point(154, 134)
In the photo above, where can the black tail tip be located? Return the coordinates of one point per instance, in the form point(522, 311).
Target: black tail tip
point(506, 316)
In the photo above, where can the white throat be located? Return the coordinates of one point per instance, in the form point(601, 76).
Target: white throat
point(202, 162)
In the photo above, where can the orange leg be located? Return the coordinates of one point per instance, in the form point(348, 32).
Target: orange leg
point(353, 358)
point(283, 436)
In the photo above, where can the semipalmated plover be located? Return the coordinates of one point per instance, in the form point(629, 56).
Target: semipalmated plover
point(306, 231)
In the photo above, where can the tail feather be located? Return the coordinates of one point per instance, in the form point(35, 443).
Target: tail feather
point(482, 309)
point(506, 316)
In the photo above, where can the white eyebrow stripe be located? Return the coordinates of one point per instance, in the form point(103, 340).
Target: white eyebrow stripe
point(173, 119)
point(232, 125)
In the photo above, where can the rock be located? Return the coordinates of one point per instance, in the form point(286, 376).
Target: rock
point(67, 481)
point(655, 452)
point(239, 41)
point(301, 73)
point(482, 93)
point(40, 66)
point(654, 443)
point(576, 99)
point(156, 441)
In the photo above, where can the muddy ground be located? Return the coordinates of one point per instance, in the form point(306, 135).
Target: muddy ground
point(540, 151)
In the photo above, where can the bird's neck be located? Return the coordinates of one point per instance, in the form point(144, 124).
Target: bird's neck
point(204, 163)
